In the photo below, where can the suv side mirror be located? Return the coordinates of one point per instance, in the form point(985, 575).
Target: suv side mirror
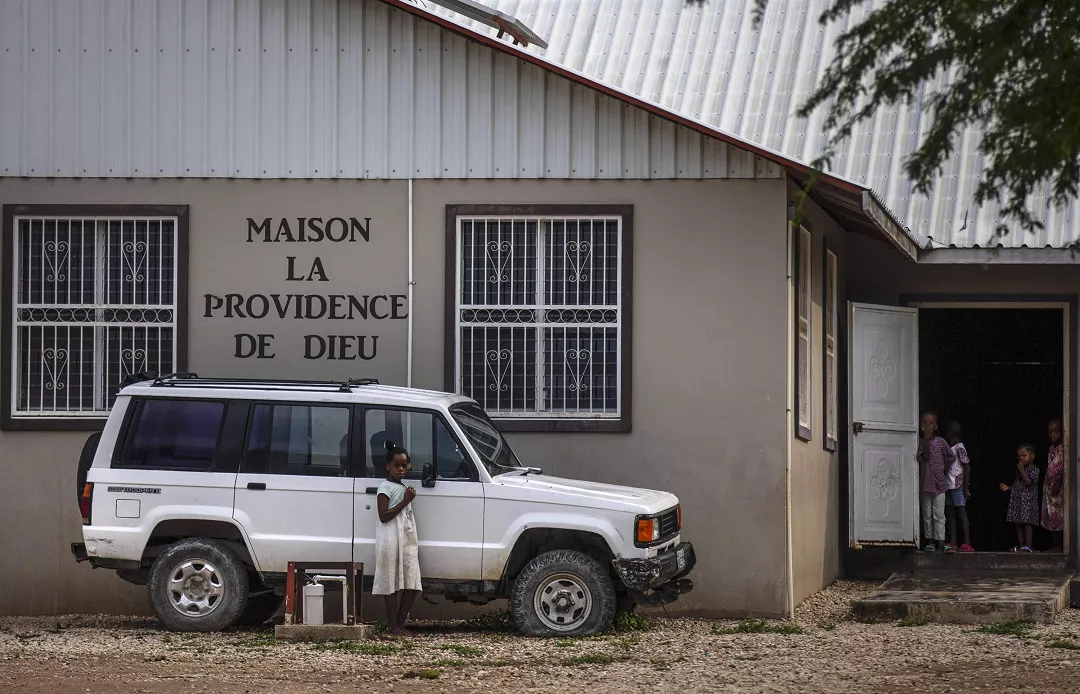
point(429, 476)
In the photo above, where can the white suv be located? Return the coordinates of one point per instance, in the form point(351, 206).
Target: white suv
point(204, 490)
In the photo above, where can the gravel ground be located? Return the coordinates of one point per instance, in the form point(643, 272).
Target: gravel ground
point(831, 654)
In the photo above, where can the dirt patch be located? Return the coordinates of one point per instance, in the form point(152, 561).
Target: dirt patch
point(827, 652)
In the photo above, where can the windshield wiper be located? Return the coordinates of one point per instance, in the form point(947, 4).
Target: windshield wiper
point(534, 470)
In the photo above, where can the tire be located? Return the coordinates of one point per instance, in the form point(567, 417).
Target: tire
point(260, 609)
point(563, 593)
point(86, 460)
point(198, 584)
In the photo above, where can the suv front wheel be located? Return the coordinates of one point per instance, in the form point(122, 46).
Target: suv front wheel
point(564, 593)
point(198, 584)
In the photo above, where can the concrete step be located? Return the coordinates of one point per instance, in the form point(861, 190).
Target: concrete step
point(968, 597)
point(989, 561)
point(1074, 591)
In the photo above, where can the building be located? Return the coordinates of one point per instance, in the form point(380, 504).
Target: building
point(342, 188)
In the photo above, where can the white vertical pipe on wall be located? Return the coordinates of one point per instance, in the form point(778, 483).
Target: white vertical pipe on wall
point(789, 331)
point(409, 320)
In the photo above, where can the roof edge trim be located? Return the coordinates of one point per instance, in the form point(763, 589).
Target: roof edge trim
point(1000, 255)
point(889, 226)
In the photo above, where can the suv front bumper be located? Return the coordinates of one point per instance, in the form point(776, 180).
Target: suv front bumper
point(661, 579)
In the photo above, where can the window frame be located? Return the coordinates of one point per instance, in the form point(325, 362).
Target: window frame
point(830, 311)
point(222, 461)
point(804, 298)
point(9, 420)
point(360, 458)
point(249, 421)
point(545, 422)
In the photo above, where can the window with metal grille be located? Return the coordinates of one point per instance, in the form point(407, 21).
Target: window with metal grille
point(829, 342)
point(94, 298)
point(803, 406)
point(540, 315)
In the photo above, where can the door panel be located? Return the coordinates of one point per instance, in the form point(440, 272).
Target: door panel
point(294, 494)
point(449, 516)
point(886, 490)
point(883, 475)
point(884, 365)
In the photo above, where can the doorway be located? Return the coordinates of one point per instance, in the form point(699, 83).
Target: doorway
point(1000, 372)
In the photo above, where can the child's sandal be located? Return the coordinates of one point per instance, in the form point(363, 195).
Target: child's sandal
point(1025, 548)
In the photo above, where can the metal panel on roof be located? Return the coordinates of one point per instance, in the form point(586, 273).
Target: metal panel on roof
point(308, 89)
point(706, 61)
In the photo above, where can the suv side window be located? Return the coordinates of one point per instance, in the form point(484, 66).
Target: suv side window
point(426, 437)
point(298, 440)
point(173, 435)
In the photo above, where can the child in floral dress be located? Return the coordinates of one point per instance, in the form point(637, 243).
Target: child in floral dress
point(1024, 497)
point(1053, 505)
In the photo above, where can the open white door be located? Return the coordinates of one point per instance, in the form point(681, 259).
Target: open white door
point(883, 476)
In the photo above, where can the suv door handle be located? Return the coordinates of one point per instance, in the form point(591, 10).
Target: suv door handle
point(371, 490)
point(257, 485)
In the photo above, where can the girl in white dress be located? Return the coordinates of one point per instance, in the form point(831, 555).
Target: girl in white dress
point(397, 564)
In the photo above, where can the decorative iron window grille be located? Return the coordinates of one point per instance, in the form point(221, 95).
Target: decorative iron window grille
point(539, 315)
point(95, 301)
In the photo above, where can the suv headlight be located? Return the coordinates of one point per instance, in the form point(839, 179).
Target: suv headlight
point(648, 530)
point(653, 528)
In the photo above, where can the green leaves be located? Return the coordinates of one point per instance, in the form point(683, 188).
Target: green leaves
point(1002, 69)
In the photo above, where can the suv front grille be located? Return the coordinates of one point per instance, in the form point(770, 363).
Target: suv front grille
point(669, 524)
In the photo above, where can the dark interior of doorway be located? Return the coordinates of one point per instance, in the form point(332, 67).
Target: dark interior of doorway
point(1000, 372)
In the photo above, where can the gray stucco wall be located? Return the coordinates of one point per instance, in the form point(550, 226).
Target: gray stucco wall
point(815, 471)
point(708, 381)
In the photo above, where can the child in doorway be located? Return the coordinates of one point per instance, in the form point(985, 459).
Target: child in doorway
point(959, 479)
point(397, 563)
point(934, 457)
point(1053, 504)
point(1024, 497)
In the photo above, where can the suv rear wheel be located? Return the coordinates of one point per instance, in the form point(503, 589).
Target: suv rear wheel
point(198, 584)
point(564, 593)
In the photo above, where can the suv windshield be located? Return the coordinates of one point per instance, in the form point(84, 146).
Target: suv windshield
point(492, 448)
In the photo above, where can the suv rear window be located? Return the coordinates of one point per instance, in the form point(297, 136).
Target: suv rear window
point(174, 435)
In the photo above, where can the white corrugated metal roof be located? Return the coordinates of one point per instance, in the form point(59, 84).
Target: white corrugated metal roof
point(313, 89)
point(707, 62)
point(346, 89)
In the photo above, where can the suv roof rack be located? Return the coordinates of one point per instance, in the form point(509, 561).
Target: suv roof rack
point(192, 380)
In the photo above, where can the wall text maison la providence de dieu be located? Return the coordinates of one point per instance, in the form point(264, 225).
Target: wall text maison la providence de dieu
point(307, 305)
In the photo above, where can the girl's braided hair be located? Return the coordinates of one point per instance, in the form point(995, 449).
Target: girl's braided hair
point(392, 450)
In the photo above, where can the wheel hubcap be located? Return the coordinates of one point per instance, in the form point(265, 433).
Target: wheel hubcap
point(195, 588)
point(563, 602)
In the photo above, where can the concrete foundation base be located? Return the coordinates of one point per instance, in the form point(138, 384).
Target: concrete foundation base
point(323, 632)
point(969, 597)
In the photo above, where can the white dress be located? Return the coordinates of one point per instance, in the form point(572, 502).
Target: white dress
point(397, 562)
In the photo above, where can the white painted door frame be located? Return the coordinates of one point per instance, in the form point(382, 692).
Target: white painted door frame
point(1067, 368)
